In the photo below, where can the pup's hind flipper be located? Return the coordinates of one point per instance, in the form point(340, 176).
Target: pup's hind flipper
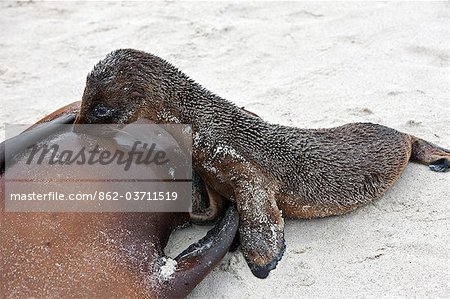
point(436, 157)
point(441, 165)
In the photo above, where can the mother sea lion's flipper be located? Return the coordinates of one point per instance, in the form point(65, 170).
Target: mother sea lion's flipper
point(194, 263)
point(424, 152)
point(43, 128)
point(69, 111)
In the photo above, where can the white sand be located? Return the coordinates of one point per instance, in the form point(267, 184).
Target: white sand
point(299, 64)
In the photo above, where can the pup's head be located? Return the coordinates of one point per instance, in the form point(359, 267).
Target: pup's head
point(127, 85)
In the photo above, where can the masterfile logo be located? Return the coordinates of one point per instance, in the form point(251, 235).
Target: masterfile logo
point(108, 168)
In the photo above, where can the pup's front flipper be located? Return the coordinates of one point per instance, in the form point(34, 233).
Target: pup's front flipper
point(261, 226)
point(207, 204)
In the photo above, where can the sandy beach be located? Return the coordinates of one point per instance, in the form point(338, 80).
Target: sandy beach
point(298, 64)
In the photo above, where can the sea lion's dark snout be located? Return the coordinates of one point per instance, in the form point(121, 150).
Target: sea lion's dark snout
point(105, 111)
point(129, 84)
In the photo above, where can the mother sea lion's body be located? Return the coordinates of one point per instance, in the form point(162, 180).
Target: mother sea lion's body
point(96, 255)
point(266, 168)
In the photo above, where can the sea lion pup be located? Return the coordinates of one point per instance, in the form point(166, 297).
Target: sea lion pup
point(266, 168)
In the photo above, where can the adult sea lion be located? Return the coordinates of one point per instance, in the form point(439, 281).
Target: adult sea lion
point(266, 168)
point(97, 255)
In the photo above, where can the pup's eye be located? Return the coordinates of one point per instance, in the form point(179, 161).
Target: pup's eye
point(101, 111)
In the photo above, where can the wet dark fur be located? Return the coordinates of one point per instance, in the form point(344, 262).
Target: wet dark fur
point(264, 167)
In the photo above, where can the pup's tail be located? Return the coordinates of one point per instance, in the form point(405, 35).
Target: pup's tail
point(424, 152)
